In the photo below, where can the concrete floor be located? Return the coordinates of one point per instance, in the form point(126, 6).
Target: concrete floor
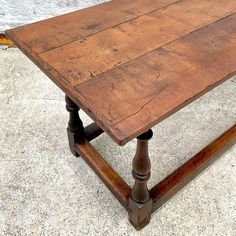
point(46, 191)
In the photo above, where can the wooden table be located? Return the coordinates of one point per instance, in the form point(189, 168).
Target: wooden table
point(129, 65)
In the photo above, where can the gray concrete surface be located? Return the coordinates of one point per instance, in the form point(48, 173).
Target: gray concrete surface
point(46, 191)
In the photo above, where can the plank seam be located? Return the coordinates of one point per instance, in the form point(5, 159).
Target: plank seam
point(153, 50)
point(147, 13)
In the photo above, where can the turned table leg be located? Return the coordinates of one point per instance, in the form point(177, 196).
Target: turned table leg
point(140, 203)
point(75, 128)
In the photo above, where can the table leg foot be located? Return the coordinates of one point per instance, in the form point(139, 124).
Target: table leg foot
point(139, 213)
point(140, 203)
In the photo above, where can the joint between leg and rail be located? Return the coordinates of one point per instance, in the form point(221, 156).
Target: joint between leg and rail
point(77, 133)
point(118, 187)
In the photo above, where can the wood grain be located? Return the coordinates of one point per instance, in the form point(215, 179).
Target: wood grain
point(145, 91)
point(55, 32)
point(110, 48)
point(145, 63)
point(129, 65)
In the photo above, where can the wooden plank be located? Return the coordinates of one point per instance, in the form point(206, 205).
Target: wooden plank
point(134, 97)
point(114, 121)
point(115, 46)
point(168, 187)
point(55, 32)
point(119, 188)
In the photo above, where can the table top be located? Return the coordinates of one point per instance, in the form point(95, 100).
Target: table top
point(130, 64)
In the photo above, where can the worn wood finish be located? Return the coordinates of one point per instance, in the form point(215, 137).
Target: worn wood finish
point(129, 65)
point(180, 177)
point(145, 60)
point(110, 178)
point(108, 49)
point(58, 31)
point(149, 89)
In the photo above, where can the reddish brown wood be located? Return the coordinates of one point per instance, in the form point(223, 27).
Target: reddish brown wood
point(120, 44)
point(129, 65)
point(154, 86)
point(140, 203)
point(110, 178)
point(158, 78)
point(75, 128)
point(58, 31)
point(184, 174)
